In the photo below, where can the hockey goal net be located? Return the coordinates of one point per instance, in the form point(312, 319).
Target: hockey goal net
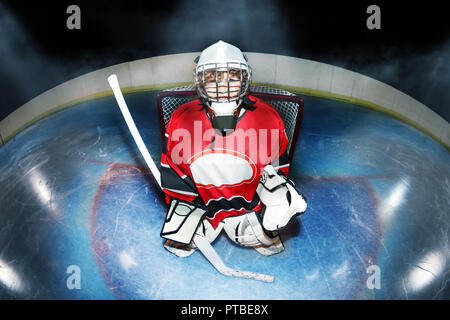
point(287, 104)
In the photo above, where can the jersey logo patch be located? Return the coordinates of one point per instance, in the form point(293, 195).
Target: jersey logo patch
point(220, 168)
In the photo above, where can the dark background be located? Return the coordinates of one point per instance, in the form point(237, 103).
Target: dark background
point(411, 52)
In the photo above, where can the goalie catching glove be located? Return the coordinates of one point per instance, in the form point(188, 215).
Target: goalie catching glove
point(281, 200)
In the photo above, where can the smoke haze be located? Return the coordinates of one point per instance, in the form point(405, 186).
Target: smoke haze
point(38, 52)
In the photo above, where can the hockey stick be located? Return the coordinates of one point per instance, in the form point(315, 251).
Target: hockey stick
point(114, 83)
point(203, 245)
point(208, 251)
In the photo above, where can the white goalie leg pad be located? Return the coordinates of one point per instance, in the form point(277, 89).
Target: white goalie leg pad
point(281, 200)
point(181, 221)
point(205, 230)
point(246, 230)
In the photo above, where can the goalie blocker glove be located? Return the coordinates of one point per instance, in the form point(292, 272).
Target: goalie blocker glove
point(281, 200)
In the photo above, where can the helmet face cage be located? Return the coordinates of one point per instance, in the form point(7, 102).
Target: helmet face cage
point(222, 82)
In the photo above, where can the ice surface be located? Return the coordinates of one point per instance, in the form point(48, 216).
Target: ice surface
point(75, 191)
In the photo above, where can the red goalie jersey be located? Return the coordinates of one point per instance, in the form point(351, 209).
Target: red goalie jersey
point(223, 171)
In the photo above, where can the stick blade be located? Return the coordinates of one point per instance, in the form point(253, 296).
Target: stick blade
point(211, 255)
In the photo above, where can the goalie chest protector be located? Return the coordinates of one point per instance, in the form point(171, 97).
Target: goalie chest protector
point(223, 170)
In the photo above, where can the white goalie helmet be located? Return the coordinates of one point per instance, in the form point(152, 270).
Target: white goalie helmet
point(222, 78)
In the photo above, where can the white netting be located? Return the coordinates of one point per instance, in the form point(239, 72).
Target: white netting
point(170, 103)
point(288, 111)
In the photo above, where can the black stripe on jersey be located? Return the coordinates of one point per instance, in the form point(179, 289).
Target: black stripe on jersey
point(248, 104)
point(190, 183)
point(165, 142)
point(228, 204)
point(283, 160)
point(171, 180)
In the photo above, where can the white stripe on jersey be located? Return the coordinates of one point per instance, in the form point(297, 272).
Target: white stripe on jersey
point(182, 192)
point(228, 199)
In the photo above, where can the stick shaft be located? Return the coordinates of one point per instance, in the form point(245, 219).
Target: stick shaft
point(114, 83)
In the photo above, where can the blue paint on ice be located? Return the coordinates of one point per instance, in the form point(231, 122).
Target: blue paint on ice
point(76, 192)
